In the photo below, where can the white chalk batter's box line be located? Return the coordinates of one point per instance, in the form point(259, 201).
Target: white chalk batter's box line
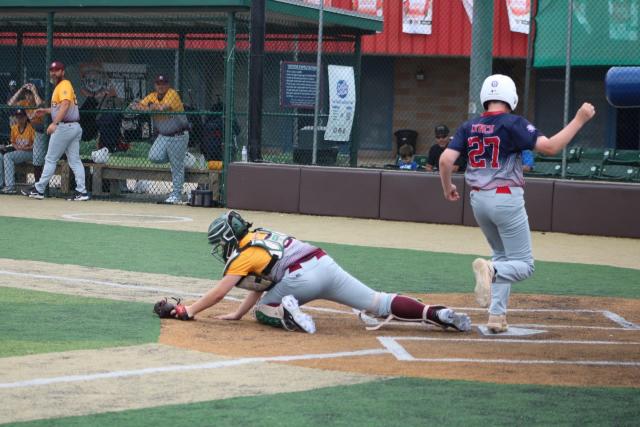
point(72, 281)
point(400, 353)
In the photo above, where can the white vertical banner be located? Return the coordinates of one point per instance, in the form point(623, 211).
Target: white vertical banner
point(468, 7)
point(342, 103)
point(416, 16)
point(519, 15)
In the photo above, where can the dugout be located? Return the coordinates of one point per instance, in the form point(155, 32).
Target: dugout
point(119, 46)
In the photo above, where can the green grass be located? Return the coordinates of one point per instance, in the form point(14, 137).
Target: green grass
point(188, 254)
point(41, 322)
point(396, 402)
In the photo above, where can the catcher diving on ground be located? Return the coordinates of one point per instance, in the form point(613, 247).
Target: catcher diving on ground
point(281, 273)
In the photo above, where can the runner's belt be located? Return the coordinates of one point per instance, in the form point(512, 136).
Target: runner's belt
point(318, 253)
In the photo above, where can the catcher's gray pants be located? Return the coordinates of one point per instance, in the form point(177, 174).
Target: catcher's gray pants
point(65, 140)
point(504, 222)
point(324, 279)
point(171, 149)
point(9, 162)
point(39, 149)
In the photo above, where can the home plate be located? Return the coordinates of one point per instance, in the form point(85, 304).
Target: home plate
point(511, 332)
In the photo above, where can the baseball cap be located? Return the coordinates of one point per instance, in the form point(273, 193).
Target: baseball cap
point(56, 66)
point(161, 78)
point(442, 131)
point(20, 112)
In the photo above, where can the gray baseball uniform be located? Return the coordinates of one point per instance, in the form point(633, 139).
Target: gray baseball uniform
point(493, 143)
point(65, 139)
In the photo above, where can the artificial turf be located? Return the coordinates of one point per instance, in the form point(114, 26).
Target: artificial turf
point(402, 402)
point(42, 322)
point(182, 253)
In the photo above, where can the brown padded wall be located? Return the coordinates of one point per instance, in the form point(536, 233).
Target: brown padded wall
point(538, 200)
point(417, 196)
point(596, 208)
point(263, 187)
point(340, 192)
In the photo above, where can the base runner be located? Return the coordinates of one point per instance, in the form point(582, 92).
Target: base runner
point(493, 144)
point(282, 272)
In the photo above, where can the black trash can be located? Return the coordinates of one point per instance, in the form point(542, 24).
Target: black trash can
point(406, 136)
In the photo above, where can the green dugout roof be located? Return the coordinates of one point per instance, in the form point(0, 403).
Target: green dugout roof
point(283, 16)
point(605, 33)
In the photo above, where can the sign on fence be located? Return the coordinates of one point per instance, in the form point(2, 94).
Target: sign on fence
point(342, 103)
point(297, 84)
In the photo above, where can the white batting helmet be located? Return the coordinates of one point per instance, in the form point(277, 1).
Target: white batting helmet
point(499, 87)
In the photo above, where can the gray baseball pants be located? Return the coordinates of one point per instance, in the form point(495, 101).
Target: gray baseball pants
point(9, 162)
point(324, 279)
point(171, 149)
point(65, 140)
point(505, 224)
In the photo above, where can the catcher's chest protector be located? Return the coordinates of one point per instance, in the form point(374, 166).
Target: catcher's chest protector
point(273, 242)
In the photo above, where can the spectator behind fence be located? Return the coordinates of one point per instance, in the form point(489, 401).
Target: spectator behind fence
point(406, 158)
point(19, 151)
point(28, 97)
point(65, 133)
point(173, 129)
point(442, 140)
point(528, 162)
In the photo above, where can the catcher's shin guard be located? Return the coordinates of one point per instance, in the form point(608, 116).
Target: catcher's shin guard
point(286, 315)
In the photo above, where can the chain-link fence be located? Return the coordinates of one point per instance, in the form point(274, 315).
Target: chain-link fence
point(122, 66)
point(571, 66)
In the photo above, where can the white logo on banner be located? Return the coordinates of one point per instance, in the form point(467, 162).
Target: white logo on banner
point(416, 16)
point(342, 103)
point(519, 13)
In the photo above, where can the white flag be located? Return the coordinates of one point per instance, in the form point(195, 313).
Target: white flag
point(519, 14)
point(468, 7)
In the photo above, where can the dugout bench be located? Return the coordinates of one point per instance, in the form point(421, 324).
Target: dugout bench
point(62, 169)
point(111, 174)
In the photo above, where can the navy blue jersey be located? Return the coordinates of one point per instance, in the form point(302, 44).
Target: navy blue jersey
point(493, 144)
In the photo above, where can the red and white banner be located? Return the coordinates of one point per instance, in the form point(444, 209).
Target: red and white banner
point(519, 15)
point(327, 3)
point(468, 7)
point(368, 7)
point(416, 16)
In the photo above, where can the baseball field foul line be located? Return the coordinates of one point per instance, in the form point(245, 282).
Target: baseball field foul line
point(395, 348)
point(178, 368)
point(626, 325)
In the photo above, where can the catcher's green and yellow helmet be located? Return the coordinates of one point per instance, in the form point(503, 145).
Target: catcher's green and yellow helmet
point(225, 232)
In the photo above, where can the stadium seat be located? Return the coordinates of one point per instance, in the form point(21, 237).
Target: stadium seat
point(624, 157)
point(545, 169)
point(617, 173)
point(582, 170)
point(573, 155)
point(595, 155)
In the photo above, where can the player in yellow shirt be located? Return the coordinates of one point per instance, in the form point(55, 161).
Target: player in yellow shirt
point(65, 133)
point(282, 272)
point(28, 98)
point(173, 132)
point(19, 151)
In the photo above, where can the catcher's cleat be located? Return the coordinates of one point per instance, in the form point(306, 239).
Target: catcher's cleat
point(497, 324)
point(294, 317)
point(450, 319)
point(483, 270)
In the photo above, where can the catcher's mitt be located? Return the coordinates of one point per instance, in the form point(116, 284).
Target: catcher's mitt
point(164, 309)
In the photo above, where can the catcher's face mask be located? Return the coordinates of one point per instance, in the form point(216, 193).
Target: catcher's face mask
point(225, 233)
